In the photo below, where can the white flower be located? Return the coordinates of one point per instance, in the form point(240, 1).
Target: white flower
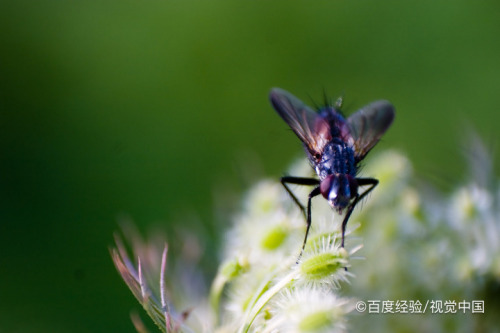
point(309, 309)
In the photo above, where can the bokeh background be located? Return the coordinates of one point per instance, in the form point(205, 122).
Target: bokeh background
point(158, 112)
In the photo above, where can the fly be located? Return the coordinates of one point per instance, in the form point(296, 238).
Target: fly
point(335, 146)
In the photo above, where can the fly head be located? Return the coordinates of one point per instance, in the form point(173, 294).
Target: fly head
point(339, 190)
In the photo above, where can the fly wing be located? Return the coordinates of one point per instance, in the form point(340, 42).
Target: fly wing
point(308, 125)
point(368, 125)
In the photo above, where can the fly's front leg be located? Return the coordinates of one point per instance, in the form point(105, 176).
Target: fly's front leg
point(372, 182)
point(316, 191)
point(313, 193)
point(298, 181)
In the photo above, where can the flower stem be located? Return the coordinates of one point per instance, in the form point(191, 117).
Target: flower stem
point(263, 299)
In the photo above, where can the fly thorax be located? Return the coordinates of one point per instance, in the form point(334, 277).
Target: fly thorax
point(337, 157)
point(339, 190)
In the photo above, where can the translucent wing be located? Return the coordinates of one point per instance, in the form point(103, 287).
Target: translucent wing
point(368, 125)
point(308, 125)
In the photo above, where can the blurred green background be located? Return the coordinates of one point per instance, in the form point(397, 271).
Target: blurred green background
point(159, 109)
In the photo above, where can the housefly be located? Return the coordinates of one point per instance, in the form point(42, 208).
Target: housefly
point(335, 147)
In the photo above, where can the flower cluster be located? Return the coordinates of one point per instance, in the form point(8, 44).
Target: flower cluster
point(417, 244)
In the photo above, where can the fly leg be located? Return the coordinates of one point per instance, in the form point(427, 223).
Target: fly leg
point(316, 191)
point(372, 182)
